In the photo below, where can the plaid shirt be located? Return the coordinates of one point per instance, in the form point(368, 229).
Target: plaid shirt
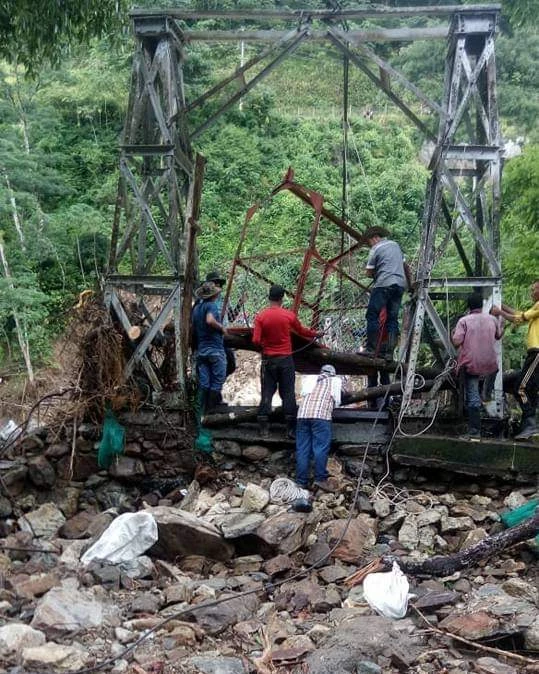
point(319, 403)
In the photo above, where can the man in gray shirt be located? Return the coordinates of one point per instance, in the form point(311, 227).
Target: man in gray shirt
point(386, 266)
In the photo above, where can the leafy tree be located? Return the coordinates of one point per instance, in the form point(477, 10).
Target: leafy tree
point(31, 34)
point(519, 226)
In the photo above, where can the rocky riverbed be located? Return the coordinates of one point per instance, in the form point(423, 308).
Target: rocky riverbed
point(238, 583)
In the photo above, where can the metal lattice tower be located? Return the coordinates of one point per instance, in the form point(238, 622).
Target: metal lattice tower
point(463, 193)
point(153, 246)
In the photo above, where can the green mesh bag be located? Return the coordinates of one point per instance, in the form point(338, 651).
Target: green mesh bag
point(203, 440)
point(518, 515)
point(112, 441)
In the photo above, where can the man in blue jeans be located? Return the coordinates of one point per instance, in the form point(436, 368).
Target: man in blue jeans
point(313, 428)
point(391, 275)
point(207, 334)
point(475, 335)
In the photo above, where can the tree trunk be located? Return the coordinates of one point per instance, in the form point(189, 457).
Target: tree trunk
point(15, 211)
point(21, 336)
point(492, 545)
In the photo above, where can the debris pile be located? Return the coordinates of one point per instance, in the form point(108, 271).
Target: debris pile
point(236, 582)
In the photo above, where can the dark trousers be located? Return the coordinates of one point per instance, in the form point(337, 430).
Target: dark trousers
point(379, 378)
point(528, 384)
point(277, 372)
point(389, 297)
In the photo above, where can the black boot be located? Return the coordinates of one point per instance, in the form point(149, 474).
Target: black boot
point(474, 425)
point(213, 401)
point(390, 346)
point(263, 427)
point(202, 400)
point(372, 341)
point(291, 429)
point(528, 428)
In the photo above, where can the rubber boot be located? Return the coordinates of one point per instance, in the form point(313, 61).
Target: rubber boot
point(213, 401)
point(390, 347)
point(372, 340)
point(263, 427)
point(220, 400)
point(528, 428)
point(202, 401)
point(474, 423)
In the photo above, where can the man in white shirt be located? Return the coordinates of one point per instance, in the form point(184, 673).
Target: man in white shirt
point(313, 427)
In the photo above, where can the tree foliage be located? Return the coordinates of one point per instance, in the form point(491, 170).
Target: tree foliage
point(59, 133)
point(31, 33)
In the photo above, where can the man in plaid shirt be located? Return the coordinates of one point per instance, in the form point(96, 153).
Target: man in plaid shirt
point(313, 429)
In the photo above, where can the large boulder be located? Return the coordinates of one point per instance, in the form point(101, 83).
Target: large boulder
point(214, 619)
point(361, 638)
point(237, 524)
point(358, 536)
point(66, 609)
point(16, 635)
point(182, 534)
point(43, 522)
point(285, 532)
point(54, 657)
point(41, 472)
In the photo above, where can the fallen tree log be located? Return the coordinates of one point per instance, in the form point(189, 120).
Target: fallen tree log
point(446, 565)
point(310, 356)
point(246, 415)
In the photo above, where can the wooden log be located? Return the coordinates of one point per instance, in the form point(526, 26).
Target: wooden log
point(353, 36)
point(224, 418)
point(445, 565)
point(321, 14)
point(246, 415)
point(309, 357)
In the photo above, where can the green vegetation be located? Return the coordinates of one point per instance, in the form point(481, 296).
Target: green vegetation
point(59, 130)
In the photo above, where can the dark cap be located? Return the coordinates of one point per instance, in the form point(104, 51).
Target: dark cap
point(374, 231)
point(207, 289)
point(276, 293)
point(216, 277)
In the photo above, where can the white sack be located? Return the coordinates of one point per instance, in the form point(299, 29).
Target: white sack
point(126, 537)
point(387, 593)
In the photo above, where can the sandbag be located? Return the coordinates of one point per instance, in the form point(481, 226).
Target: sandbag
point(126, 537)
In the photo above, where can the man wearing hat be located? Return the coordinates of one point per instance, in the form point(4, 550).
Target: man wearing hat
point(272, 332)
point(231, 314)
point(313, 429)
point(208, 333)
point(387, 267)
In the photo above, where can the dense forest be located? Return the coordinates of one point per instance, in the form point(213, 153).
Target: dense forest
point(62, 106)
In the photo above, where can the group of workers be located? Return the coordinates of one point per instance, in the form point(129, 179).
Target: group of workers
point(310, 424)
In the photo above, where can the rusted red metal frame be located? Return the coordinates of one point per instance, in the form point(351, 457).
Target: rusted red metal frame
point(316, 201)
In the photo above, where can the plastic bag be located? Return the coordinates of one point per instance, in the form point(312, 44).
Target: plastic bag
point(126, 537)
point(112, 442)
point(387, 593)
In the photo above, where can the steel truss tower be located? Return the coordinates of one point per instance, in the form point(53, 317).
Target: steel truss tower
point(153, 245)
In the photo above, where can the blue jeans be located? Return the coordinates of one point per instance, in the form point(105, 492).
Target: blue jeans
point(211, 370)
point(471, 389)
point(313, 439)
point(389, 297)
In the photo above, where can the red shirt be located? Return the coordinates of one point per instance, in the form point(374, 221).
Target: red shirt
point(273, 329)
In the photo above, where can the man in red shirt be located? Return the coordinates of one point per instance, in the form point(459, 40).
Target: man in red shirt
point(273, 334)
